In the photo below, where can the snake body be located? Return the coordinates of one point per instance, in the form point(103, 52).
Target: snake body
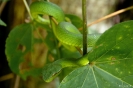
point(46, 8)
point(73, 38)
point(62, 32)
point(65, 32)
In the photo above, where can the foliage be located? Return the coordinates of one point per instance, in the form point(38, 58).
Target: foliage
point(30, 46)
point(2, 23)
point(110, 61)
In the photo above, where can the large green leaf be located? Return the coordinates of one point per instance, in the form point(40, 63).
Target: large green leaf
point(111, 61)
point(25, 51)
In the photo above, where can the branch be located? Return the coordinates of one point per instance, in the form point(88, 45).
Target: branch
point(2, 5)
point(111, 15)
point(27, 7)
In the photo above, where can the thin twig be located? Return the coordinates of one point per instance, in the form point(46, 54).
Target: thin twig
point(53, 22)
point(80, 51)
point(7, 77)
point(53, 19)
point(27, 8)
point(17, 81)
point(2, 7)
point(84, 27)
point(111, 15)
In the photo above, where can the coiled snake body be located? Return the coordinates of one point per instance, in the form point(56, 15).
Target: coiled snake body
point(61, 31)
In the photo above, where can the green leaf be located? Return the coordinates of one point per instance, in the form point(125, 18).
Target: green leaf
point(111, 61)
point(92, 77)
point(25, 52)
point(2, 23)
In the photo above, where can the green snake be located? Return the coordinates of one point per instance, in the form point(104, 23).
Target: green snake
point(65, 32)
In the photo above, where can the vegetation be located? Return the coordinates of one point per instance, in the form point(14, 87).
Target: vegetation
point(35, 49)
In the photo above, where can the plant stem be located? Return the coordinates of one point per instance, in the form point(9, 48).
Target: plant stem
point(17, 81)
point(84, 26)
point(27, 7)
point(7, 77)
point(53, 22)
point(2, 5)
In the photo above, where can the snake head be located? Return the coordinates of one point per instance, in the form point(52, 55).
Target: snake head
point(51, 71)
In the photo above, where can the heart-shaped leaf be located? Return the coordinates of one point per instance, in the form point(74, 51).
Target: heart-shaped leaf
point(111, 61)
point(26, 54)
